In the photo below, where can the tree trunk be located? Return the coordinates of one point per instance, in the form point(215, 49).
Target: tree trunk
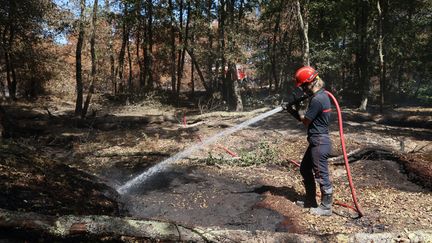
point(93, 61)
point(274, 54)
point(9, 57)
point(149, 51)
point(125, 38)
point(269, 75)
point(382, 12)
point(221, 50)
point(79, 82)
point(173, 47)
point(363, 56)
point(8, 71)
point(213, 84)
point(185, 46)
point(112, 76)
point(96, 228)
point(304, 26)
point(6, 126)
point(234, 79)
point(200, 74)
point(192, 81)
point(140, 28)
point(139, 61)
point(2, 89)
point(238, 104)
point(130, 85)
point(13, 87)
point(5, 49)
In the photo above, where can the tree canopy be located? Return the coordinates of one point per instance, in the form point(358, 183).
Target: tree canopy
point(376, 50)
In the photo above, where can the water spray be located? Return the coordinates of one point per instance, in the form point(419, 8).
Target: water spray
point(185, 153)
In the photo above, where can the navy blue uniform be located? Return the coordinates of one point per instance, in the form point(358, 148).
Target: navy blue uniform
point(314, 163)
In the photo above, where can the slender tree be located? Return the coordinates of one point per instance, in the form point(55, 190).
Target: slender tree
point(78, 61)
point(304, 28)
point(93, 60)
point(110, 32)
point(149, 46)
point(382, 12)
point(125, 39)
point(362, 55)
point(172, 46)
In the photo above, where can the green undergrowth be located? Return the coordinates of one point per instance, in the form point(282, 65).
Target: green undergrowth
point(264, 154)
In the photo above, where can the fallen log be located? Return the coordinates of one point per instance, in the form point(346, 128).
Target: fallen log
point(98, 227)
point(365, 153)
point(18, 225)
point(418, 169)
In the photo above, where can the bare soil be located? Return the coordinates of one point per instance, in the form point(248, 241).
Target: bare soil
point(73, 167)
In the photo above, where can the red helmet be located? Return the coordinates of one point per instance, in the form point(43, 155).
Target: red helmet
point(305, 74)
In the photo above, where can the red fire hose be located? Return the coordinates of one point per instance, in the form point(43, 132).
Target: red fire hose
point(347, 167)
point(357, 207)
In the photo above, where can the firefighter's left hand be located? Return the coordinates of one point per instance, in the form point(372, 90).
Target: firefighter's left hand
point(293, 112)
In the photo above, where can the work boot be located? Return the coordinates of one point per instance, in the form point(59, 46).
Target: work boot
point(325, 207)
point(309, 199)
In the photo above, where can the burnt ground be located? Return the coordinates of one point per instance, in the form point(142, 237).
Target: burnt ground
point(72, 167)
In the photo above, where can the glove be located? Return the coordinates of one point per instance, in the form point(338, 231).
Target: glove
point(293, 112)
point(296, 97)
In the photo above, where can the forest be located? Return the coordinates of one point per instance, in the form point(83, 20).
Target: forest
point(96, 93)
point(366, 50)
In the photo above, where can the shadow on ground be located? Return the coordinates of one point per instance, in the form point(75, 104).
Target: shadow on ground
point(193, 197)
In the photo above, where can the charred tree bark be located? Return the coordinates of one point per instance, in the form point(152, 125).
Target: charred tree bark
point(110, 47)
point(382, 17)
point(221, 50)
point(96, 228)
point(173, 47)
point(107, 228)
point(8, 47)
point(125, 38)
point(130, 85)
point(6, 126)
point(198, 69)
point(93, 61)
point(179, 54)
point(304, 27)
point(232, 78)
point(274, 54)
point(13, 84)
point(8, 72)
point(362, 55)
point(79, 81)
point(5, 51)
point(149, 46)
point(238, 104)
point(210, 60)
point(112, 77)
point(192, 80)
point(139, 29)
point(185, 46)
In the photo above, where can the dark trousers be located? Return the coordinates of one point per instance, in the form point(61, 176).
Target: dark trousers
point(314, 165)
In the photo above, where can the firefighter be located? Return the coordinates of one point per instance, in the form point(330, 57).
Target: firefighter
point(314, 166)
